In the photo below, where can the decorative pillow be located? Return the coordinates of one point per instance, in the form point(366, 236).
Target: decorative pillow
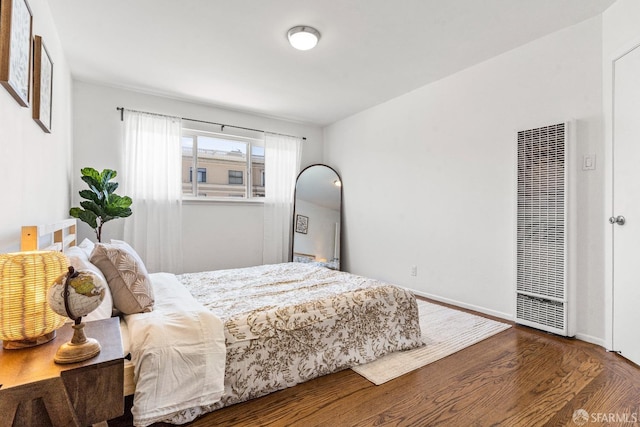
point(80, 261)
point(126, 275)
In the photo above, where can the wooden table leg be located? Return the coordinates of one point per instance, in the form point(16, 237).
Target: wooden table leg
point(32, 404)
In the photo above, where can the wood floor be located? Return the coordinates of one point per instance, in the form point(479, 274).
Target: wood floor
point(519, 377)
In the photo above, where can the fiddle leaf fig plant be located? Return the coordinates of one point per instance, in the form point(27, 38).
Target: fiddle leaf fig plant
point(101, 203)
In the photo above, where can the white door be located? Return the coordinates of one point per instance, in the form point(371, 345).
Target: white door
point(626, 203)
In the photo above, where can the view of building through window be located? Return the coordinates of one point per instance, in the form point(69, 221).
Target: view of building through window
point(223, 168)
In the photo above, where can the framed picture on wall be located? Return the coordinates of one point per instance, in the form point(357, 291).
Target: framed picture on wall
point(42, 84)
point(302, 224)
point(15, 48)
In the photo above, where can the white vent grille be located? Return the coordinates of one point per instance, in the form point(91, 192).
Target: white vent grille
point(541, 228)
point(541, 311)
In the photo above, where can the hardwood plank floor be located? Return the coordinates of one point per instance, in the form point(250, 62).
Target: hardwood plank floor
point(519, 377)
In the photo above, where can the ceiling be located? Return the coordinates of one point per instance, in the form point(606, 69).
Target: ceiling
point(235, 54)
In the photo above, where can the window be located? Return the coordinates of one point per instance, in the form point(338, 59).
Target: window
point(202, 174)
point(235, 177)
point(224, 170)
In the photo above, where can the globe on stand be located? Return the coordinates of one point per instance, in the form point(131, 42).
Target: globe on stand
point(76, 294)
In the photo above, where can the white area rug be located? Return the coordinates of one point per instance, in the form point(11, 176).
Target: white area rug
point(444, 332)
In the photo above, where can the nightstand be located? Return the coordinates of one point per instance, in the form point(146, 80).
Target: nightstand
point(35, 391)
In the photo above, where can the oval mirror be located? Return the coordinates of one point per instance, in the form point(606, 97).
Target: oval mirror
point(316, 217)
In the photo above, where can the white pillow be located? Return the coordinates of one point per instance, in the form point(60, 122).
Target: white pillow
point(87, 246)
point(79, 260)
point(76, 254)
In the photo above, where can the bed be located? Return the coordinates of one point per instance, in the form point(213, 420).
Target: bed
point(213, 339)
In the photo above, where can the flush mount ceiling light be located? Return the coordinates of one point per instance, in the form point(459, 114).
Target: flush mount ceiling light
point(303, 37)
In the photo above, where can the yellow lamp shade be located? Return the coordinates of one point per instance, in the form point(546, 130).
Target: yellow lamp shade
point(25, 316)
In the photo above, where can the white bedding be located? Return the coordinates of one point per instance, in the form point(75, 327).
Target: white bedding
point(178, 352)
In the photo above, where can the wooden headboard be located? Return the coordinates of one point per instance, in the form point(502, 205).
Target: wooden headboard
point(49, 237)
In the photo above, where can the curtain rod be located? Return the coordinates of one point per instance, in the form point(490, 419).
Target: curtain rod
point(222, 125)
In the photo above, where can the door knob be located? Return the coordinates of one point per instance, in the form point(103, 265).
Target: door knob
point(620, 220)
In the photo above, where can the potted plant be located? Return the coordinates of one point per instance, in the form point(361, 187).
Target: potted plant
point(102, 204)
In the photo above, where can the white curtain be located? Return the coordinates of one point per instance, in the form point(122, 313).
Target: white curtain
point(282, 162)
point(153, 179)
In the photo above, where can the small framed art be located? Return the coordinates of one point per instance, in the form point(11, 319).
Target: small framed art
point(15, 48)
point(302, 224)
point(42, 84)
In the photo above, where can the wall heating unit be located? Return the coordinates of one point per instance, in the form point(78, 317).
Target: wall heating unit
point(544, 294)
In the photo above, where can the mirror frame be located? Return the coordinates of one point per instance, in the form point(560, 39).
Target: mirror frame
point(293, 220)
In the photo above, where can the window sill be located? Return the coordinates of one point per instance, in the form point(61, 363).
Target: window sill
point(222, 200)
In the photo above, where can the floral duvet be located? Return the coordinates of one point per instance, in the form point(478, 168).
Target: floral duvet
point(287, 323)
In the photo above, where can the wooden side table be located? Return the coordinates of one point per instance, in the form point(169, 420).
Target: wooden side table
point(36, 391)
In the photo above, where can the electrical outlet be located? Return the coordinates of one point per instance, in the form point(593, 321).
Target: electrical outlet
point(414, 270)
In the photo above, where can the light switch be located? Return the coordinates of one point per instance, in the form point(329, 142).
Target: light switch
point(588, 162)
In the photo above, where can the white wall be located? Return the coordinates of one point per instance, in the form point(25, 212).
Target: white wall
point(216, 235)
point(429, 177)
point(34, 165)
point(621, 32)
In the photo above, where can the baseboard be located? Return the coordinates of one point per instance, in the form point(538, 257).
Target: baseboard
point(483, 310)
point(582, 337)
point(591, 339)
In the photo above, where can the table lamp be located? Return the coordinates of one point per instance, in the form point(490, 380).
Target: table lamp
point(26, 319)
